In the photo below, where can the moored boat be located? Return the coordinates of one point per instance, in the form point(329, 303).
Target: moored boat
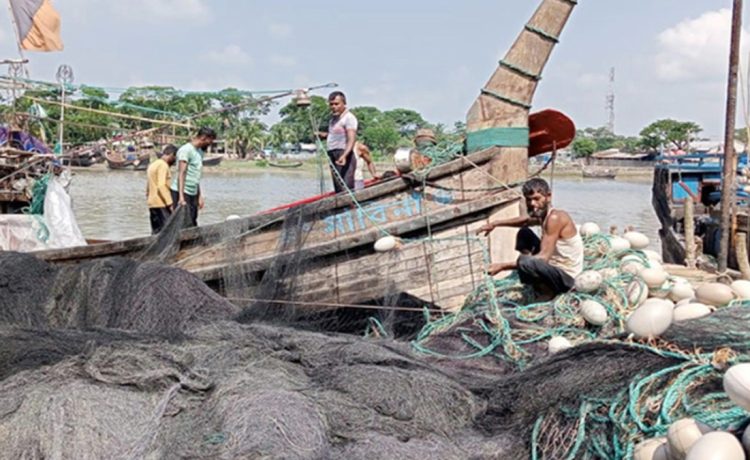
point(212, 160)
point(117, 161)
point(285, 164)
point(325, 249)
point(596, 173)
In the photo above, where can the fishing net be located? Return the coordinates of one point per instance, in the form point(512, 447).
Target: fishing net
point(228, 390)
point(114, 293)
point(504, 324)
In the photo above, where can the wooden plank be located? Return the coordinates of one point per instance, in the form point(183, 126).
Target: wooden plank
point(210, 271)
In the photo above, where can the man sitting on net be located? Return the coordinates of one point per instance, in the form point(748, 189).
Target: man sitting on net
point(548, 265)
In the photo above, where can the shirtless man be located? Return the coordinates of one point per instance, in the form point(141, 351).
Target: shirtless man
point(549, 265)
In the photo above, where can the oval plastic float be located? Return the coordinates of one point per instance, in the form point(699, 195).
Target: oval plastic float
point(691, 311)
point(593, 312)
point(557, 344)
point(717, 445)
point(651, 319)
point(588, 281)
point(716, 294)
point(737, 385)
point(637, 240)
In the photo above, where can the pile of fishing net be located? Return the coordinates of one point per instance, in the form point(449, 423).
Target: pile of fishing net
point(656, 371)
point(227, 390)
point(125, 359)
point(113, 293)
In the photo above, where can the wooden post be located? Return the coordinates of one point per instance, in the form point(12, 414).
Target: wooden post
point(727, 184)
point(689, 233)
point(740, 247)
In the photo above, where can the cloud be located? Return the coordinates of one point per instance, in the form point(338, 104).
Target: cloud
point(283, 61)
point(230, 55)
point(696, 49)
point(160, 10)
point(280, 30)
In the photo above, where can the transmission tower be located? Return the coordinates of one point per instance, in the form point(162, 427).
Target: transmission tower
point(610, 102)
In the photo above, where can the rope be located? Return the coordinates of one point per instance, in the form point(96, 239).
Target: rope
point(500, 97)
point(519, 70)
point(543, 34)
point(335, 305)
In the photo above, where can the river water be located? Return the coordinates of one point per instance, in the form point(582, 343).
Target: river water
point(111, 204)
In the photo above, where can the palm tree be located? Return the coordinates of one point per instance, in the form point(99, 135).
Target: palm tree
point(282, 134)
point(247, 134)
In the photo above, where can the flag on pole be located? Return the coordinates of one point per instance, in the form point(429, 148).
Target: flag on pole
point(38, 25)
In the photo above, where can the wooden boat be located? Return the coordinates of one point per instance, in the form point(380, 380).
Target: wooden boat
point(591, 173)
point(23, 159)
point(435, 212)
point(212, 160)
point(696, 178)
point(117, 161)
point(285, 164)
point(142, 162)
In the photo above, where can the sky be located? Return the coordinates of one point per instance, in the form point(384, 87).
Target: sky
point(670, 56)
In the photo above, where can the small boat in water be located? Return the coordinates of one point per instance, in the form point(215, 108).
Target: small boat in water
point(118, 161)
point(212, 160)
point(591, 173)
point(141, 164)
point(285, 164)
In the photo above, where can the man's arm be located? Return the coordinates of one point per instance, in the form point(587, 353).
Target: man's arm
point(515, 222)
point(550, 234)
point(365, 155)
point(351, 139)
point(201, 200)
point(162, 187)
point(182, 175)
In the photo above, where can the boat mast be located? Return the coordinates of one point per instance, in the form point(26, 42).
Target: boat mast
point(730, 159)
point(499, 117)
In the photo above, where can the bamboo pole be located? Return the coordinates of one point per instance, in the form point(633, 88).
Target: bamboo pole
point(104, 112)
point(689, 232)
point(727, 188)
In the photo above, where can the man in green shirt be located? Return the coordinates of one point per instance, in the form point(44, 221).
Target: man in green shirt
point(185, 188)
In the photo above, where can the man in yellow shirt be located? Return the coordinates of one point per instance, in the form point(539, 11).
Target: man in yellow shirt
point(157, 189)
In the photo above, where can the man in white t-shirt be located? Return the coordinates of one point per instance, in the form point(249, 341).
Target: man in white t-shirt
point(341, 137)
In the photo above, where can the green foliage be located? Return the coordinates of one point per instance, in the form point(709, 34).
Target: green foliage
point(297, 119)
point(382, 136)
point(407, 121)
point(741, 136)
point(667, 132)
point(584, 147)
point(238, 123)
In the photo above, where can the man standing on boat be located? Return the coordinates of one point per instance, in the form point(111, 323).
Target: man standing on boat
point(340, 138)
point(186, 189)
point(549, 265)
point(158, 195)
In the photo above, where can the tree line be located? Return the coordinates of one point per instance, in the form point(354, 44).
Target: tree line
point(661, 135)
point(383, 130)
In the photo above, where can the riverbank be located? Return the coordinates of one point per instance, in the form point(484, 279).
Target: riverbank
point(251, 167)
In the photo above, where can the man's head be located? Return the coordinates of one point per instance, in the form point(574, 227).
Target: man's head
point(169, 154)
point(337, 103)
point(204, 138)
point(538, 197)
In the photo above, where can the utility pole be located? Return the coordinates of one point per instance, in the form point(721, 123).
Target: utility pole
point(610, 102)
point(730, 160)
